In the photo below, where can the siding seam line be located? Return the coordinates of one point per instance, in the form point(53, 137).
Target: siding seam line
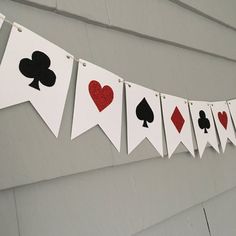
point(207, 222)
point(16, 210)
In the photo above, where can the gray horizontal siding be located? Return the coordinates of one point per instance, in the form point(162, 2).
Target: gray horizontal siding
point(218, 219)
point(160, 45)
point(153, 19)
point(8, 217)
point(221, 214)
point(221, 11)
point(191, 222)
point(122, 200)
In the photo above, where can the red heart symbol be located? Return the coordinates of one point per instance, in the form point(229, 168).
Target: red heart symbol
point(102, 96)
point(223, 119)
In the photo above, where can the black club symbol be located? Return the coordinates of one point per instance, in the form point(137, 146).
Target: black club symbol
point(38, 69)
point(203, 122)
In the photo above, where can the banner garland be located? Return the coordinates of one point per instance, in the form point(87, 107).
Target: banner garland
point(98, 99)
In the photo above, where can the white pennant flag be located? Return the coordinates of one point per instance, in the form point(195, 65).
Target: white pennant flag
point(144, 118)
point(33, 69)
point(98, 101)
point(2, 18)
point(177, 123)
point(232, 108)
point(224, 123)
point(204, 126)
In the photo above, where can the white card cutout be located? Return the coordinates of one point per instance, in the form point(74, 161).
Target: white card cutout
point(177, 123)
point(43, 81)
point(223, 123)
point(232, 108)
point(2, 18)
point(144, 118)
point(98, 101)
point(204, 125)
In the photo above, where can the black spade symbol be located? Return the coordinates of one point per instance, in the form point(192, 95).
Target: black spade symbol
point(38, 70)
point(144, 112)
point(203, 122)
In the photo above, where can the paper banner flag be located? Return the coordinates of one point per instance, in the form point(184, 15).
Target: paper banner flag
point(98, 101)
point(33, 69)
point(232, 108)
point(144, 118)
point(2, 18)
point(204, 125)
point(177, 123)
point(223, 123)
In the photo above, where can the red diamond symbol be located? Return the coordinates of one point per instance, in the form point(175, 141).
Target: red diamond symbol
point(177, 119)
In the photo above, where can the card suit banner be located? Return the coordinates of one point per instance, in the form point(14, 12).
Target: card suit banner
point(177, 123)
point(2, 18)
point(223, 123)
point(33, 69)
point(232, 109)
point(98, 101)
point(144, 119)
point(204, 126)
